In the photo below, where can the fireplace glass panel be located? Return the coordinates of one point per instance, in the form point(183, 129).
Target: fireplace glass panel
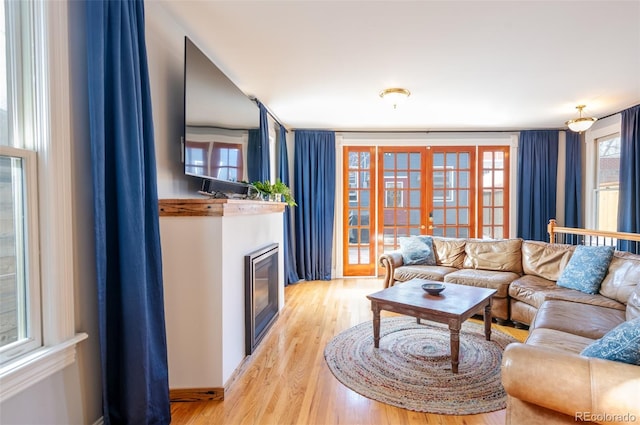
point(261, 294)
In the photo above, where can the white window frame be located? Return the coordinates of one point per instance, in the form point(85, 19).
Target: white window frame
point(601, 129)
point(53, 147)
point(30, 268)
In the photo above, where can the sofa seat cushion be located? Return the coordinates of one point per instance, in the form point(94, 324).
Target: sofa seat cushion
point(404, 273)
point(531, 289)
point(535, 290)
point(559, 340)
point(581, 297)
point(483, 278)
point(587, 320)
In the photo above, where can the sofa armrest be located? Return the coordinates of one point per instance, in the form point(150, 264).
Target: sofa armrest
point(571, 384)
point(390, 261)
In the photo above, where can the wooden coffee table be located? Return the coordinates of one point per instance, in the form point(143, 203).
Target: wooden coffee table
point(453, 306)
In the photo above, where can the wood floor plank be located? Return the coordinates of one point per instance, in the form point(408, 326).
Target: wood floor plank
point(286, 380)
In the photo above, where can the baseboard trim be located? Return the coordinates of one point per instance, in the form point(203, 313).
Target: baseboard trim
point(196, 394)
point(208, 394)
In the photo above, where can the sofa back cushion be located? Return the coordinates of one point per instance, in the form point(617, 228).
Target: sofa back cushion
point(499, 255)
point(633, 304)
point(622, 277)
point(449, 251)
point(545, 260)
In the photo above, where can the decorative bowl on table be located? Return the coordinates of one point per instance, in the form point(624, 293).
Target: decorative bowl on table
point(433, 288)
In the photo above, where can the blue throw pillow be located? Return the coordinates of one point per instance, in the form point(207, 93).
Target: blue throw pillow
point(586, 269)
point(621, 344)
point(417, 250)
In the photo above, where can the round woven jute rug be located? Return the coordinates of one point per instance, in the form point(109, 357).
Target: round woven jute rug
point(412, 367)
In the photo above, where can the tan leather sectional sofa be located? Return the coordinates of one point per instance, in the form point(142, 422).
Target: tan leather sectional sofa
point(524, 273)
point(546, 379)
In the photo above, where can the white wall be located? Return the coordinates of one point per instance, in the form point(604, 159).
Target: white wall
point(165, 53)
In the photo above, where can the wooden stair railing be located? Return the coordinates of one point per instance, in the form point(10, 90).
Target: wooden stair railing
point(558, 234)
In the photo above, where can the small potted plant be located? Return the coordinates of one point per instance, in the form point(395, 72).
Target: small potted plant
point(282, 189)
point(275, 192)
point(264, 188)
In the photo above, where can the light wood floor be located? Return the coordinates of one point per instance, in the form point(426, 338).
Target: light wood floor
point(286, 380)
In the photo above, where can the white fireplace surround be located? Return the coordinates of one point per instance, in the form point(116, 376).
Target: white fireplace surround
point(203, 269)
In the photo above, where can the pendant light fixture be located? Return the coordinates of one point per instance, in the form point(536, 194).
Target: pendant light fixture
point(395, 95)
point(581, 123)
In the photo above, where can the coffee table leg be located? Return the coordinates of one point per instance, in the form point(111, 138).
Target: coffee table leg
point(454, 342)
point(487, 321)
point(376, 324)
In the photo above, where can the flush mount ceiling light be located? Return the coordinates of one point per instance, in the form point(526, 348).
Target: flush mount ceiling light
point(395, 95)
point(582, 123)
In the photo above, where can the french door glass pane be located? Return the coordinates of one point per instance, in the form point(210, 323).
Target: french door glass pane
point(498, 217)
point(463, 216)
point(498, 197)
point(438, 217)
point(487, 216)
point(415, 161)
point(464, 198)
point(414, 198)
point(464, 160)
point(402, 161)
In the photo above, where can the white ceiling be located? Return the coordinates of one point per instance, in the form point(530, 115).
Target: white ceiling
point(470, 65)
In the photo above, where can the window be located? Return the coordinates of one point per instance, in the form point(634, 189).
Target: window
point(195, 160)
point(19, 275)
point(37, 317)
point(214, 159)
point(494, 199)
point(607, 182)
point(226, 161)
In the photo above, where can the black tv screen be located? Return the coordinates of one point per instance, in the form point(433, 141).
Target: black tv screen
point(217, 119)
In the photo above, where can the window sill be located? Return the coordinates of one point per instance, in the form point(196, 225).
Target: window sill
point(25, 371)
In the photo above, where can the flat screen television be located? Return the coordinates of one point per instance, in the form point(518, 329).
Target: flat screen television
point(218, 117)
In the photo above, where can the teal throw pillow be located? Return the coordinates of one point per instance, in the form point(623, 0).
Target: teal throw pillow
point(586, 269)
point(417, 250)
point(621, 344)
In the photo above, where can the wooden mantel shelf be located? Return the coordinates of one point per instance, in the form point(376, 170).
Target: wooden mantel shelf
point(216, 207)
